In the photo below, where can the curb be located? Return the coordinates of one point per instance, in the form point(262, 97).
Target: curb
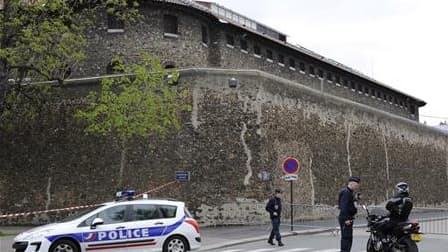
point(261, 238)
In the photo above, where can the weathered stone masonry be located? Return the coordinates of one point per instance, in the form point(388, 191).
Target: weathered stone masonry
point(187, 49)
point(230, 137)
point(267, 116)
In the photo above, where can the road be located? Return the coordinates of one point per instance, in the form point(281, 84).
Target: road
point(327, 242)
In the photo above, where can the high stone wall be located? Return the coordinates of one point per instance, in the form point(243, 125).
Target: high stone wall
point(228, 139)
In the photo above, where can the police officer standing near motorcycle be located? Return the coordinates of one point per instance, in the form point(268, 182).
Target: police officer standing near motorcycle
point(347, 198)
point(274, 207)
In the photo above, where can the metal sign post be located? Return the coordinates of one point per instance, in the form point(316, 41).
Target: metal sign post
point(291, 167)
point(292, 209)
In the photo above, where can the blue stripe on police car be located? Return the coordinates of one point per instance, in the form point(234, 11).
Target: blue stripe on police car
point(124, 234)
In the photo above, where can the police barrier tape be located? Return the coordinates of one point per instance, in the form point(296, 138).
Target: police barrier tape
point(76, 207)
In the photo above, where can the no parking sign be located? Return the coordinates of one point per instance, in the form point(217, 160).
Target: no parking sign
point(291, 167)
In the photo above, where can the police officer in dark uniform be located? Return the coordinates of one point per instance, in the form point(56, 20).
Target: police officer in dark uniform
point(274, 207)
point(347, 198)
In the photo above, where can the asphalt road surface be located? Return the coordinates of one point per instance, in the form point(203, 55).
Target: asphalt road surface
point(327, 242)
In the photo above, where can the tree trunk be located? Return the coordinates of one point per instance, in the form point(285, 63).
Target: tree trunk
point(124, 151)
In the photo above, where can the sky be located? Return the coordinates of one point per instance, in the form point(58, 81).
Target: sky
point(401, 43)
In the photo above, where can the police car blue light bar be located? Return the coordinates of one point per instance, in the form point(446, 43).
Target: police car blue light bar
point(125, 195)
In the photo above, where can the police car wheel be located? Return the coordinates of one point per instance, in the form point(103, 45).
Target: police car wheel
point(64, 246)
point(175, 244)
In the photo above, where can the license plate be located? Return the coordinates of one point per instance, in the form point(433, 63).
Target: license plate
point(416, 237)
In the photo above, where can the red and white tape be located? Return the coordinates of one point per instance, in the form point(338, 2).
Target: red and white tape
point(46, 211)
point(75, 207)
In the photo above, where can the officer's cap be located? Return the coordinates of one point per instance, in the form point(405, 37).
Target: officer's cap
point(354, 179)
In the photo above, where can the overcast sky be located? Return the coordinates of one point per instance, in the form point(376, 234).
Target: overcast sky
point(402, 43)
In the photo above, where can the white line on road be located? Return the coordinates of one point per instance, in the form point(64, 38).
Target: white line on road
point(232, 250)
point(262, 250)
point(327, 250)
point(295, 250)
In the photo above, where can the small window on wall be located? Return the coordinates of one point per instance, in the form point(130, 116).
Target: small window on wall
point(230, 40)
point(412, 109)
point(292, 64)
point(114, 24)
point(353, 86)
point(170, 24)
point(281, 59)
point(269, 56)
point(302, 66)
point(338, 80)
point(204, 34)
point(320, 73)
point(359, 88)
point(312, 71)
point(257, 50)
point(243, 44)
point(329, 77)
point(366, 91)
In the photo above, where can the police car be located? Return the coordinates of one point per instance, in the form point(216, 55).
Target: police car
point(125, 225)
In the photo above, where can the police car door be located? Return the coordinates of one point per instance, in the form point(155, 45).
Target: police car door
point(148, 228)
point(109, 235)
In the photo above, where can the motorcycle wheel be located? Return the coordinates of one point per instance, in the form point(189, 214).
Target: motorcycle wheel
point(410, 246)
point(370, 245)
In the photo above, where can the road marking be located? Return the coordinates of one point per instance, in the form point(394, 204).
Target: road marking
point(262, 250)
point(295, 250)
point(232, 250)
point(327, 250)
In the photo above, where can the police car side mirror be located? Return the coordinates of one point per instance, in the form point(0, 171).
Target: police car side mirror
point(96, 222)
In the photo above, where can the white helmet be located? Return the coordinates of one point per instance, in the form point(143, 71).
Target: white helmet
point(402, 187)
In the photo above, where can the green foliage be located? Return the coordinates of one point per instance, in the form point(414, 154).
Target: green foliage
point(139, 102)
point(43, 40)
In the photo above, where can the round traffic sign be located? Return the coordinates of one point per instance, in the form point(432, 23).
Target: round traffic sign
point(291, 166)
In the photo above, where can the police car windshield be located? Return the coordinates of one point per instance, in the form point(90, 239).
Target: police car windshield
point(81, 213)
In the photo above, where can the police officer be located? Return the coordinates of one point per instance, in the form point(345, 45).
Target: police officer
point(347, 198)
point(274, 207)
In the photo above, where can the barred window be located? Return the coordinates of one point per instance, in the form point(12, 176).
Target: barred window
point(243, 44)
point(257, 50)
point(230, 40)
point(292, 63)
point(114, 23)
point(281, 59)
point(204, 34)
point(170, 24)
point(302, 66)
point(269, 54)
point(320, 73)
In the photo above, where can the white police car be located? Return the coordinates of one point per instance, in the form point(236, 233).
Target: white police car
point(133, 226)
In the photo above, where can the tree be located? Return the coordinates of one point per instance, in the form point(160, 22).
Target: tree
point(140, 102)
point(44, 40)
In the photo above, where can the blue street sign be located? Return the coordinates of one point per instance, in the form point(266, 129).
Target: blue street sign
point(182, 176)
